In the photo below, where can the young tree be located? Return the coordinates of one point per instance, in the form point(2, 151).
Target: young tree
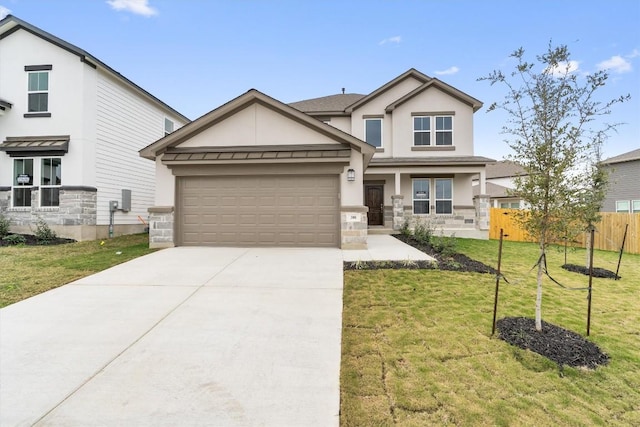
point(555, 123)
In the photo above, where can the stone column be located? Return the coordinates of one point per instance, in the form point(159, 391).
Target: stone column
point(161, 221)
point(353, 227)
point(482, 203)
point(398, 211)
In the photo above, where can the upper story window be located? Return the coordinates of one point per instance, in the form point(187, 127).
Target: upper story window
point(432, 130)
point(168, 126)
point(373, 132)
point(422, 130)
point(38, 90)
point(622, 206)
point(444, 130)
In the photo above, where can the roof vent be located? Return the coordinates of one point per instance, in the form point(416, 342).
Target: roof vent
point(343, 91)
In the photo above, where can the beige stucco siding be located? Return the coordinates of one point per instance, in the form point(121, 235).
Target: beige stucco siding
point(342, 123)
point(432, 101)
point(256, 125)
point(376, 107)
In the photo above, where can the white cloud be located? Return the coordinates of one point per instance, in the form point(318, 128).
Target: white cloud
point(139, 7)
point(394, 39)
point(616, 64)
point(4, 11)
point(563, 68)
point(450, 70)
point(633, 54)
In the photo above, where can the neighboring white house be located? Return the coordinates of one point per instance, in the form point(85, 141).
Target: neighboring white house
point(70, 131)
point(623, 193)
point(321, 172)
point(500, 179)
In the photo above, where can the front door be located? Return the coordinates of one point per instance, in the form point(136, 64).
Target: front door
point(373, 198)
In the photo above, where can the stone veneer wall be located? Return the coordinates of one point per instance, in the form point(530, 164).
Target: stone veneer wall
point(353, 227)
point(482, 204)
point(161, 220)
point(463, 217)
point(78, 207)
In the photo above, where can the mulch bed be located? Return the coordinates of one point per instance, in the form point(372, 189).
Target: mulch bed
point(455, 262)
point(555, 343)
point(31, 240)
point(597, 272)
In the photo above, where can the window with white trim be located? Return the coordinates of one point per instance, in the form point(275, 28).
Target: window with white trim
point(509, 205)
point(444, 195)
point(50, 181)
point(38, 92)
point(421, 196)
point(168, 126)
point(22, 182)
point(421, 130)
point(373, 132)
point(635, 206)
point(622, 206)
point(430, 130)
point(444, 130)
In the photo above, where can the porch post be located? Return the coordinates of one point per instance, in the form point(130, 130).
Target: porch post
point(483, 181)
point(398, 204)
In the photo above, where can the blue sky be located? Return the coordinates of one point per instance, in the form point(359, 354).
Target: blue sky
point(196, 54)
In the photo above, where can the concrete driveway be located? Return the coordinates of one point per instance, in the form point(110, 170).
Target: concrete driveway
point(181, 337)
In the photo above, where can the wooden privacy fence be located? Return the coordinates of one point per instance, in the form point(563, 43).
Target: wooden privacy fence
point(608, 237)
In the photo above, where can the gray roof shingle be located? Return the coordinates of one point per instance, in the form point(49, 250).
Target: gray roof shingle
point(625, 157)
point(331, 103)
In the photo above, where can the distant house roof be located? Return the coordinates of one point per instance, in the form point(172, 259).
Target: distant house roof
point(331, 103)
point(11, 24)
point(495, 191)
point(504, 169)
point(625, 157)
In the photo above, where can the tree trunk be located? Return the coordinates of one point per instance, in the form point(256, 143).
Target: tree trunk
point(539, 291)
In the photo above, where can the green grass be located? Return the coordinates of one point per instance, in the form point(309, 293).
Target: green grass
point(417, 346)
point(26, 271)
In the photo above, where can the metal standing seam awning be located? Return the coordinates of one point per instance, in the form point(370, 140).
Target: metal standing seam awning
point(25, 146)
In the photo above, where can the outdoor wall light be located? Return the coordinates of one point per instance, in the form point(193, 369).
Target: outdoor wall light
point(351, 175)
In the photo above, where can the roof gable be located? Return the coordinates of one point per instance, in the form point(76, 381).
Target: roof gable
point(438, 84)
point(411, 73)
point(10, 24)
point(240, 105)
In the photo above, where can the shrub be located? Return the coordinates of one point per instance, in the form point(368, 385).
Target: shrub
point(447, 246)
point(4, 226)
point(15, 239)
point(422, 232)
point(44, 234)
point(405, 230)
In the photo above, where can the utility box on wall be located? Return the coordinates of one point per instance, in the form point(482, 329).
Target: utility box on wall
point(126, 200)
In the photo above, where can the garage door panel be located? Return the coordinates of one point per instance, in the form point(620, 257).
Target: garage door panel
point(258, 211)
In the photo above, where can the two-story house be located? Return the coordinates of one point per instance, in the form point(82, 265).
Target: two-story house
point(70, 131)
point(623, 192)
point(321, 172)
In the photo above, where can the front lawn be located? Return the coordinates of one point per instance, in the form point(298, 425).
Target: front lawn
point(417, 346)
point(26, 271)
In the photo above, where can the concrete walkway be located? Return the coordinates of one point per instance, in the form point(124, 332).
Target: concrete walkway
point(181, 337)
point(383, 247)
point(185, 337)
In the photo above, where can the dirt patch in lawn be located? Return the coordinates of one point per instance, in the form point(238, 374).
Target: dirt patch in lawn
point(555, 343)
point(597, 272)
point(31, 240)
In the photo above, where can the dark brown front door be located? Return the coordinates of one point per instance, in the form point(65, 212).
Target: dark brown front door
point(373, 198)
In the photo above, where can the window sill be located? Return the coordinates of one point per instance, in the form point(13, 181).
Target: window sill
point(31, 115)
point(433, 148)
point(19, 209)
point(379, 150)
point(47, 209)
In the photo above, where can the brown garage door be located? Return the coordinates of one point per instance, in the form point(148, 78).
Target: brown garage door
point(258, 211)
